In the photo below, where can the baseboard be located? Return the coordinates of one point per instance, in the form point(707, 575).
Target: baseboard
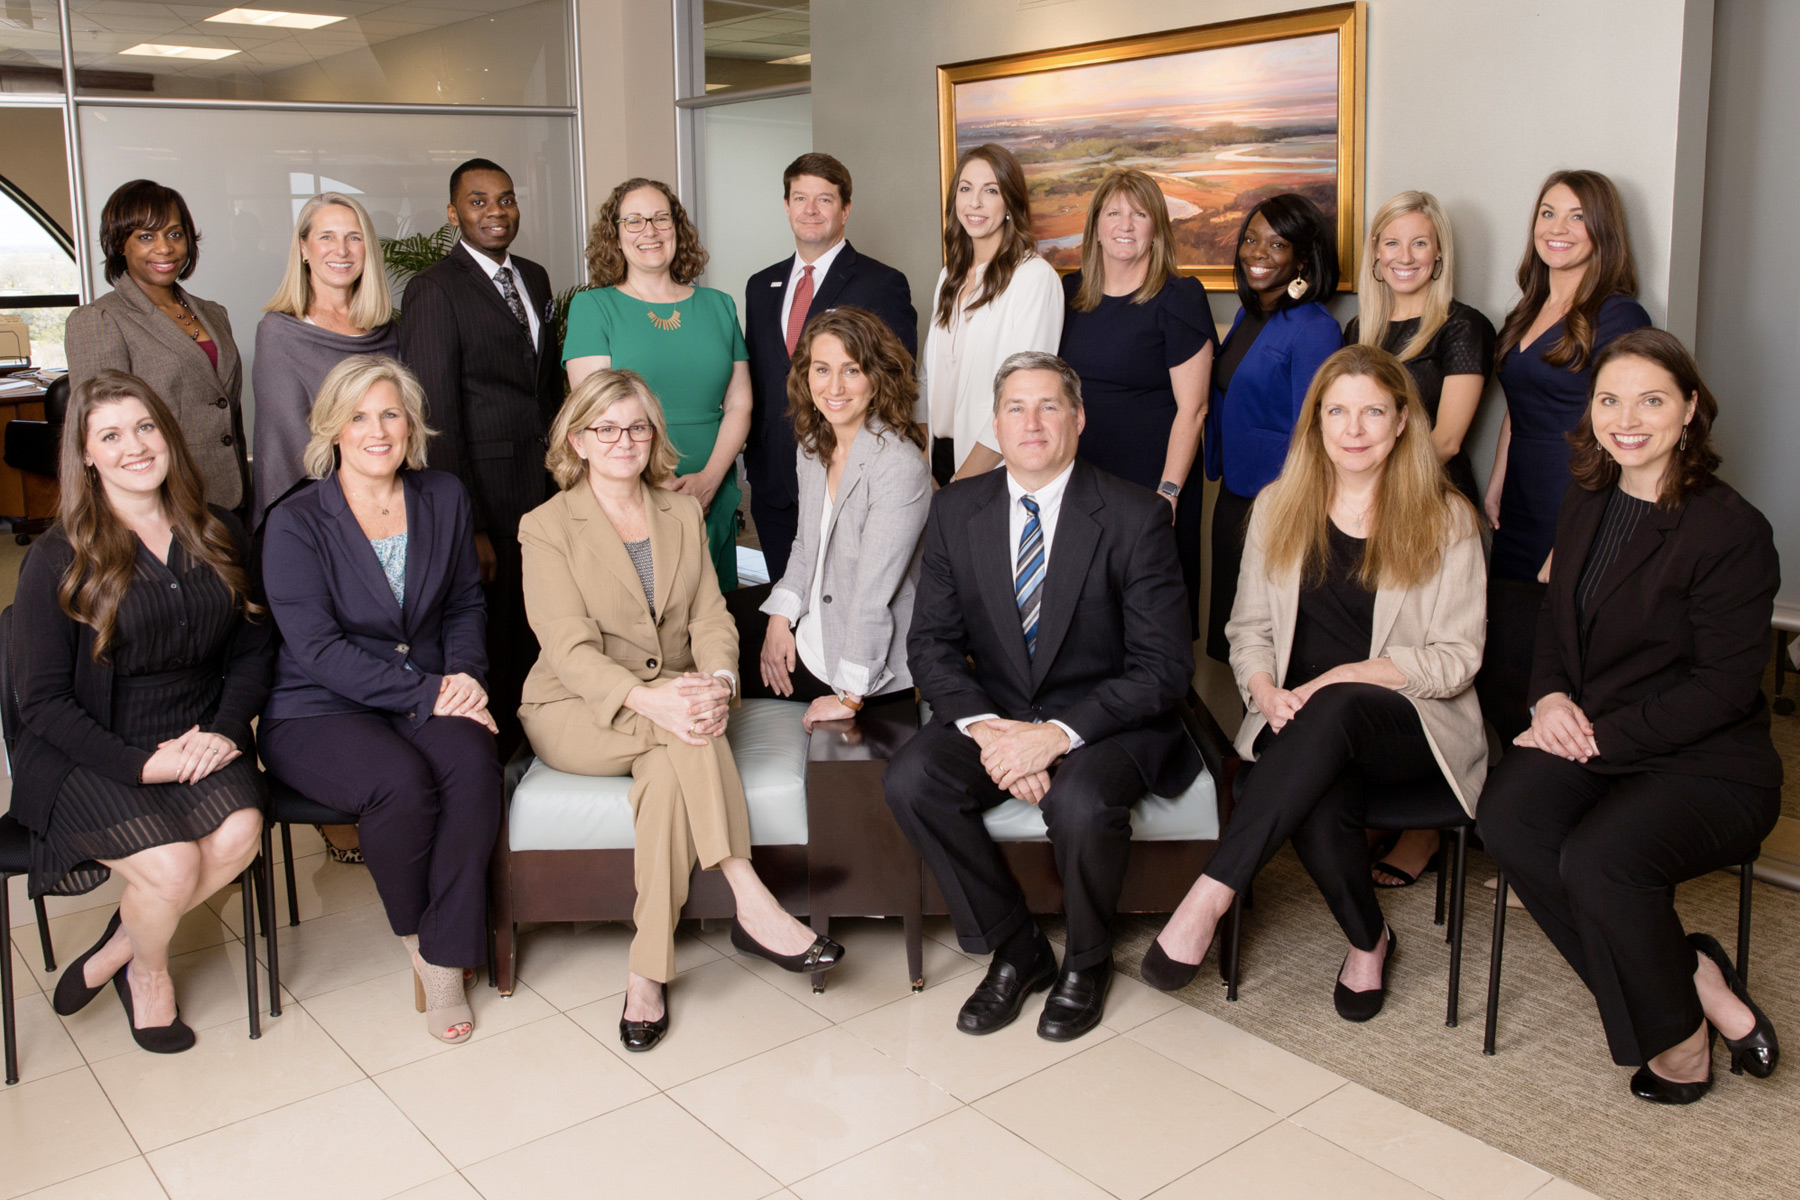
point(1780, 861)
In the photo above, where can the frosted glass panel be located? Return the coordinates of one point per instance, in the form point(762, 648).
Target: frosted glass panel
point(243, 173)
point(744, 148)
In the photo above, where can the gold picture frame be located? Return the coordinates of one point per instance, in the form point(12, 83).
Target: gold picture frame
point(1273, 69)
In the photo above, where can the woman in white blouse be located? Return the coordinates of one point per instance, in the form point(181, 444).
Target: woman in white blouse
point(995, 297)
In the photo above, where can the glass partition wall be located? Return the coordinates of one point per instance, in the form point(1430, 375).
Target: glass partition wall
point(248, 111)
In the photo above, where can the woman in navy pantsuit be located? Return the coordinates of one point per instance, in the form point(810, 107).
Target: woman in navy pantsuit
point(380, 702)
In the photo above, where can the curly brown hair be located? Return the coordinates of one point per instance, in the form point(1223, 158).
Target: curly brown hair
point(1695, 462)
point(606, 261)
point(894, 391)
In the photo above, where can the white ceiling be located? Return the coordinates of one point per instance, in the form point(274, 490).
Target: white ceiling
point(763, 31)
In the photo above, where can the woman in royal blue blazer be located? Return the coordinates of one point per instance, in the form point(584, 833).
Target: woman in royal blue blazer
point(1286, 268)
point(380, 704)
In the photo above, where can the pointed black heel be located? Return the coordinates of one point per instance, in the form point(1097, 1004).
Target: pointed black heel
point(1648, 1085)
point(639, 1036)
point(822, 955)
point(172, 1038)
point(72, 991)
point(1758, 1052)
point(1167, 974)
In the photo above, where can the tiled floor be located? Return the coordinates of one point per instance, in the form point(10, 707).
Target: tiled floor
point(763, 1089)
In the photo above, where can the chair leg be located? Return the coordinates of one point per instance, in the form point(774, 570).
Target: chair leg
point(1456, 867)
point(43, 920)
point(1743, 947)
point(821, 925)
point(247, 889)
point(1493, 997)
point(1234, 930)
point(1442, 871)
point(10, 1034)
point(287, 864)
point(914, 926)
point(265, 882)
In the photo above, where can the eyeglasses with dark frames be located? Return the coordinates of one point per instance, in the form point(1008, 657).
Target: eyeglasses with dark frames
point(639, 431)
point(635, 223)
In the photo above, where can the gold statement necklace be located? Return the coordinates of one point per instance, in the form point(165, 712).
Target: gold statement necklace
point(672, 321)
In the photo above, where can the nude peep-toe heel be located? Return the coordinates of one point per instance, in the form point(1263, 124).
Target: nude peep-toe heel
point(438, 993)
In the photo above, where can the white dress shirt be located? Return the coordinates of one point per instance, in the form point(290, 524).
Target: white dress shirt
point(493, 270)
point(821, 266)
point(1049, 500)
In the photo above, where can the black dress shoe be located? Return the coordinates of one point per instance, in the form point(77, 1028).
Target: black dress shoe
point(1167, 974)
point(1076, 1003)
point(1648, 1085)
point(822, 955)
point(996, 1003)
point(1758, 1051)
point(72, 990)
point(639, 1036)
point(1361, 1006)
point(172, 1038)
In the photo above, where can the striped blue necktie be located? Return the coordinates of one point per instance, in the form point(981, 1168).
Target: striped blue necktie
point(1028, 578)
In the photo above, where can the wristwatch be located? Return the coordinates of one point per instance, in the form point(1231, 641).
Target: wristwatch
point(1171, 490)
point(845, 699)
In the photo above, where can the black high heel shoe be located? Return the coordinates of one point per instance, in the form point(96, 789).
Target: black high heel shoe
point(639, 1036)
point(1362, 1006)
point(172, 1038)
point(822, 955)
point(72, 990)
point(1648, 1085)
point(1759, 1051)
point(1167, 974)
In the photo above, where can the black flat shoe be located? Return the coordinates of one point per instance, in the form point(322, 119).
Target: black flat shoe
point(1076, 1004)
point(1167, 974)
point(72, 990)
point(639, 1036)
point(172, 1038)
point(1361, 1006)
point(1759, 1051)
point(995, 1004)
point(1648, 1085)
point(822, 955)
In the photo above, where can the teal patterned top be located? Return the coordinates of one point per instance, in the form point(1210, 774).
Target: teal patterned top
point(392, 553)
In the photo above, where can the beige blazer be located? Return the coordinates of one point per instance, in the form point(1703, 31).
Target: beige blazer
point(124, 330)
point(587, 607)
point(1433, 632)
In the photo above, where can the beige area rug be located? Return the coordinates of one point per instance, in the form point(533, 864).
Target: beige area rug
point(1551, 1095)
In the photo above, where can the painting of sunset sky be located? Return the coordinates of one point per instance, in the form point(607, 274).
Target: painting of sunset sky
point(1218, 129)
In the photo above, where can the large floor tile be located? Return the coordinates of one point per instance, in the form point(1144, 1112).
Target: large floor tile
point(105, 896)
point(209, 985)
point(872, 974)
point(129, 1180)
point(651, 1148)
point(1243, 1062)
point(352, 1143)
point(226, 1077)
point(1442, 1160)
point(25, 980)
point(1143, 1120)
point(920, 1031)
point(332, 952)
point(67, 1125)
point(719, 1014)
point(72, 933)
point(445, 1187)
point(321, 886)
point(1130, 1003)
point(45, 1047)
point(962, 1154)
point(1284, 1162)
point(810, 1104)
point(1562, 1189)
point(573, 965)
point(501, 1092)
point(376, 1024)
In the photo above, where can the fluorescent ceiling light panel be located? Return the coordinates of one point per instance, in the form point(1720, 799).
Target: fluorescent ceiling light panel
point(272, 18)
point(153, 50)
point(798, 60)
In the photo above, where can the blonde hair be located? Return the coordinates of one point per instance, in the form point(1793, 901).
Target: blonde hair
point(1142, 190)
point(1375, 302)
point(592, 397)
point(371, 303)
point(344, 389)
point(1417, 510)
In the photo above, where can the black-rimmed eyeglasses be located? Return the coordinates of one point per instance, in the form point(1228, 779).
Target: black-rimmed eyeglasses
point(635, 223)
point(640, 432)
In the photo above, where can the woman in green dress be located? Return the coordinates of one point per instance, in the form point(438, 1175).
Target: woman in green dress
point(643, 312)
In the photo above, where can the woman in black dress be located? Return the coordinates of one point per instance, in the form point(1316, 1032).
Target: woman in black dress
point(141, 661)
point(1141, 336)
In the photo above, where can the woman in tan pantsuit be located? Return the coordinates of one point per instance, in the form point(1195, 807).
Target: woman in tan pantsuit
point(152, 327)
point(637, 674)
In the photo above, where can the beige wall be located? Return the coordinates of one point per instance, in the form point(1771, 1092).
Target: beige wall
point(627, 85)
point(32, 156)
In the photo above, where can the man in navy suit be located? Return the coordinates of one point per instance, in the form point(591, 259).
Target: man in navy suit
point(825, 271)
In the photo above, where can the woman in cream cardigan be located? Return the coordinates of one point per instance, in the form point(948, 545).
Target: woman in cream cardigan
point(636, 676)
point(1355, 638)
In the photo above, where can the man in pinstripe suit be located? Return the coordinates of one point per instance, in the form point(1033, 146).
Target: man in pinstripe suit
point(476, 329)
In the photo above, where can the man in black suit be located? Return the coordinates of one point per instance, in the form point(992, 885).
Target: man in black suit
point(824, 271)
point(475, 328)
point(1078, 721)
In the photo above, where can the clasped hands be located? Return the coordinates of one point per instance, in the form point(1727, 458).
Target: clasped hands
point(1018, 755)
point(691, 706)
point(1559, 727)
point(1279, 704)
point(460, 696)
point(189, 758)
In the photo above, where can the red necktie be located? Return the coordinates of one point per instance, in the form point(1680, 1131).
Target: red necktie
point(803, 292)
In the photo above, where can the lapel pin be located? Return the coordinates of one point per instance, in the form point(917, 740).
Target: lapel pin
point(775, 283)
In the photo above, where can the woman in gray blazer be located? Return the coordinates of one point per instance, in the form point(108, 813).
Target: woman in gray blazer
point(838, 618)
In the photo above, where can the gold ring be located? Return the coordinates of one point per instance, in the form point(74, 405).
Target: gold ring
point(692, 725)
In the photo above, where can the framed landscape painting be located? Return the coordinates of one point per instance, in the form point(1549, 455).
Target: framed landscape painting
point(1220, 116)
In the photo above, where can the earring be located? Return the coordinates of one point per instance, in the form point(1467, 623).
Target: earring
point(1298, 288)
point(1437, 269)
point(1682, 445)
point(1375, 273)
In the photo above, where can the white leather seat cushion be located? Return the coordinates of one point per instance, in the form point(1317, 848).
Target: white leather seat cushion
point(1191, 816)
point(555, 811)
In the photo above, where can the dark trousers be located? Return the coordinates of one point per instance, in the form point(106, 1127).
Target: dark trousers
point(511, 646)
point(428, 799)
point(1231, 521)
point(1595, 858)
point(938, 790)
point(1353, 758)
point(1505, 676)
point(776, 528)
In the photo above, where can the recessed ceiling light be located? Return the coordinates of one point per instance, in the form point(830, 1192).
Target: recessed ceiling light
point(798, 60)
point(713, 87)
point(153, 50)
point(269, 16)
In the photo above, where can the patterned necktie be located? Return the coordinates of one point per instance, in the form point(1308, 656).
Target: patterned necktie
point(510, 294)
point(803, 294)
point(1028, 578)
